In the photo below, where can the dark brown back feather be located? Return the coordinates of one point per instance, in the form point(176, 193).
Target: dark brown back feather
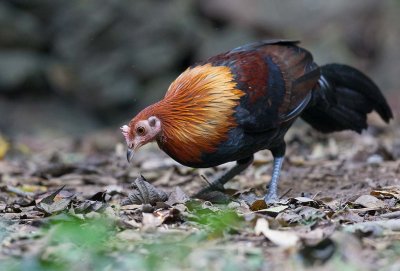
point(277, 77)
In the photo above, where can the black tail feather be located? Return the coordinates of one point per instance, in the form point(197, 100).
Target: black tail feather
point(343, 99)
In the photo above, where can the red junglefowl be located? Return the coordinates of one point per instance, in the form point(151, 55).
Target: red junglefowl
point(242, 101)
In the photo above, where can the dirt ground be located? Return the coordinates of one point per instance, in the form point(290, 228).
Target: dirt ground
point(77, 204)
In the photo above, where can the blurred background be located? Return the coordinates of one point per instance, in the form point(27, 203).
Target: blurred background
point(74, 67)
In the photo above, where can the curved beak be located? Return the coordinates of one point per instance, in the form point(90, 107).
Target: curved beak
point(129, 154)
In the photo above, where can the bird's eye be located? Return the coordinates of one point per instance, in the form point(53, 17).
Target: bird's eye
point(140, 130)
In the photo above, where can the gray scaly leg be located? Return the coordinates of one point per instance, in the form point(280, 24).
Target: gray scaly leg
point(272, 195)
point(278, 152)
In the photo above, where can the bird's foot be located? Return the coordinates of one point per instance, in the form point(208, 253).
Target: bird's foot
point(271, 198)
point(214, 186)
point(214, 193)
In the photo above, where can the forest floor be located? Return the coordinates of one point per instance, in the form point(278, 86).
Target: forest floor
point(77, 205)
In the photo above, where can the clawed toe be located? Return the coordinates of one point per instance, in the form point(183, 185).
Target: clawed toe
point(271, 198)
point(211, 187)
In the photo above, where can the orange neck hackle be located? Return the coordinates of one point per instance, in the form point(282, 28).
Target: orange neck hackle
point(196, 113)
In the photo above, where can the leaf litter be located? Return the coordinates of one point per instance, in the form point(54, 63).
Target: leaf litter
point(82, 209)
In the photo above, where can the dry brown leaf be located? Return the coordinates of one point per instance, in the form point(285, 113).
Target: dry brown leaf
point(145, 193)
point(304, 199)
point(331, 203)
point(346, 216)
point(258, 205)
point(387, 192)
point(369, 201)
point(177, 196)
point(284, 239)
point(55, 202)
point(310, 213)
point(90, 206)
point(288, 217)
point(276, 209)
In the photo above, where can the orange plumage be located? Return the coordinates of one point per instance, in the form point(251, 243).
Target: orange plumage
point(196, 112)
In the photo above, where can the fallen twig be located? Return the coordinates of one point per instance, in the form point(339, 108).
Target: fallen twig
point(284, 194)
point(391, 224)
point(395, 214)
point(18, 191)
